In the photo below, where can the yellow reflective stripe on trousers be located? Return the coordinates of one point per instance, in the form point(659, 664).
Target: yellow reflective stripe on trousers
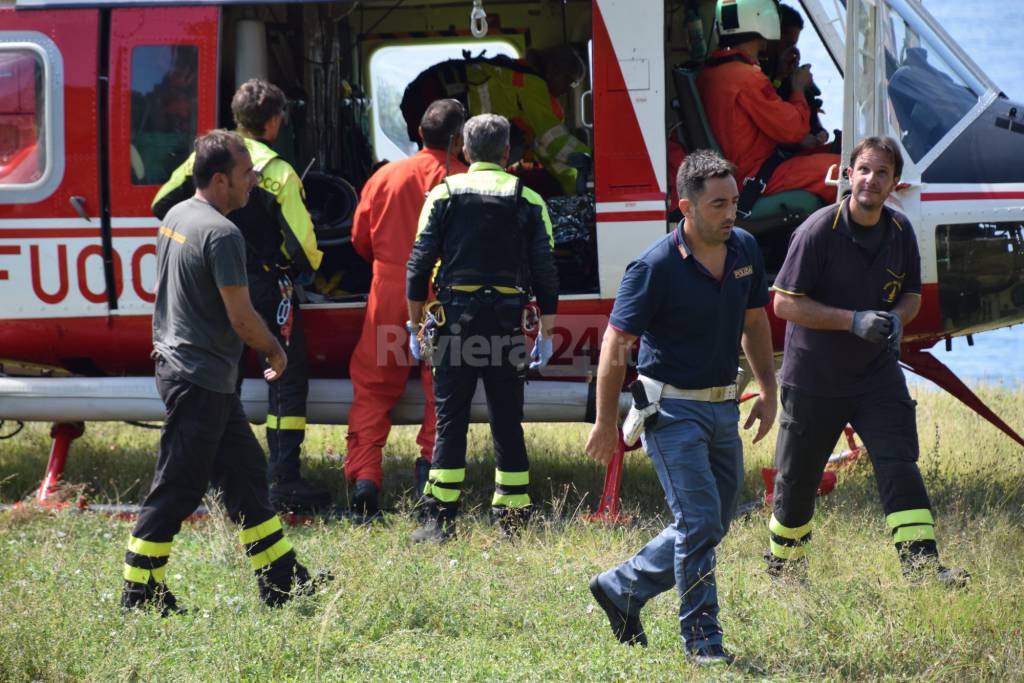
point(776, 527)
point(518, 500)
point(262, 530)
point(274, 552)
point(136, 574)
point(917, 532)
point(445, 495)
point(160, 574)
point(148, 548)
point(456, 476)
point(919, 516)
point(286, 422)
point(511, 478)
point(786, 552)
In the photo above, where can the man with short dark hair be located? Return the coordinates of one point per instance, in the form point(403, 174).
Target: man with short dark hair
point(280, 244)
point(201, 317)
point(492, 237)
point(693, 298)
point(850, 283)
point(383, 231)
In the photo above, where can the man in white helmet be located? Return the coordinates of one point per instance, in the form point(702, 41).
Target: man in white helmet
point(748, 117)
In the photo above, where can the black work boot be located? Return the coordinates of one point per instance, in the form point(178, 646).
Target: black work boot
point(920, 563)
point(365, 502)
point(152, 595)
point(511, 521)
point(287, 578)
point(437, 523)
point(627, 629)
point(711, 655)
point(299, 496)
point(785, 570)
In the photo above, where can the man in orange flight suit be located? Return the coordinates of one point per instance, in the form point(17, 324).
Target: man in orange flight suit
point(383, 232)
point(747, 116)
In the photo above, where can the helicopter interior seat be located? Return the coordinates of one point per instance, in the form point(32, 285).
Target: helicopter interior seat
point(770, 213)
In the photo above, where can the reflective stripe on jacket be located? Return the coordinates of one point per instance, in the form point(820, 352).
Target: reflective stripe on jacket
point(524, 99)
point(276, 225)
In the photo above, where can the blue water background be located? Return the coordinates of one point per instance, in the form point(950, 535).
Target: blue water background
point(997, 358)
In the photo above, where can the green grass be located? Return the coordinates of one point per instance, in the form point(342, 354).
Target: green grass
point(481, 608)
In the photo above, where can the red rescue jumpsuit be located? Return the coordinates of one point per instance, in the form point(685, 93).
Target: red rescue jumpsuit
point(383, 232)
point(750, 120)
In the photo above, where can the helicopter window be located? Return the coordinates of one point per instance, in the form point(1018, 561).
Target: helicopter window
point(981, 273)
point(22, 107)
point(393, 68)
point(163, 110)
point(928, 93)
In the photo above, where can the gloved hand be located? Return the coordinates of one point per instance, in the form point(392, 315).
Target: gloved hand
point(896, 335)
point(414, 342)
point(543, 349)
point(872, 326)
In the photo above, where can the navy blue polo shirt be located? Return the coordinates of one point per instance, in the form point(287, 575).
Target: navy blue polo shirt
point(689, 322)
point(826, 263)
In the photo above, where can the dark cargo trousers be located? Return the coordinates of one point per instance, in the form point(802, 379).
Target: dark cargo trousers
point(205, 439)
point(286, 399)
point(809, 427)
point(490, 347)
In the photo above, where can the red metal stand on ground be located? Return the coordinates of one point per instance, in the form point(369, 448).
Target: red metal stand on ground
point(608, 507)
point(63, 434)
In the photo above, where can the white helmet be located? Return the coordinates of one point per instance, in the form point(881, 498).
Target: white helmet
point(748, 16)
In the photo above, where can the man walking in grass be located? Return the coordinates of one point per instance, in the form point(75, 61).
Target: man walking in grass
point(850, 282)
point(201, 318)
point(693, 298)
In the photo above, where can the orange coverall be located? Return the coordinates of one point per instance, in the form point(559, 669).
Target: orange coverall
point(383, 232)
point(750, 120)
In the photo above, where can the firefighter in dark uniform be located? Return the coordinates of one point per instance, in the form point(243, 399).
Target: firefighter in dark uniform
point(493, 239)
point(850, 282)
point(201, 317)
point(280, 244)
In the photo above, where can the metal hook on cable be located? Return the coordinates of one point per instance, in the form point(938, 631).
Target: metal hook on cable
point(478, 20)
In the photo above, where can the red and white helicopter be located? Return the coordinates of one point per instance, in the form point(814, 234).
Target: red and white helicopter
point(99, 101)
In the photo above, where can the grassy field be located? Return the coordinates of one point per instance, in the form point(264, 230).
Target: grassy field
point(481, 608)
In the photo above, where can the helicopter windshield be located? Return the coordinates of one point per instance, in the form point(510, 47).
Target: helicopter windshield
point(930, 89)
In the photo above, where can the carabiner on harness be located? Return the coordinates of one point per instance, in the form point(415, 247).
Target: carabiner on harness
point(285, 314)
point(531, 317)
point(433, 320)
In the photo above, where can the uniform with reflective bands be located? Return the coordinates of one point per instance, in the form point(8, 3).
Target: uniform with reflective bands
point(279, 239)
point(206, 439)
point(832, 378)
point(503, 86)
point(493, 240)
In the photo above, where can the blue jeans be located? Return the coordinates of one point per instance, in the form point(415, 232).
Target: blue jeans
point(697, 453)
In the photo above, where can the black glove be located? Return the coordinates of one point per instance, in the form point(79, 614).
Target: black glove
point(896, 335)
point(872, 326)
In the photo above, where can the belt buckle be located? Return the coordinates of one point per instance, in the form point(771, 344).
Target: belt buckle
point(717, 394)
